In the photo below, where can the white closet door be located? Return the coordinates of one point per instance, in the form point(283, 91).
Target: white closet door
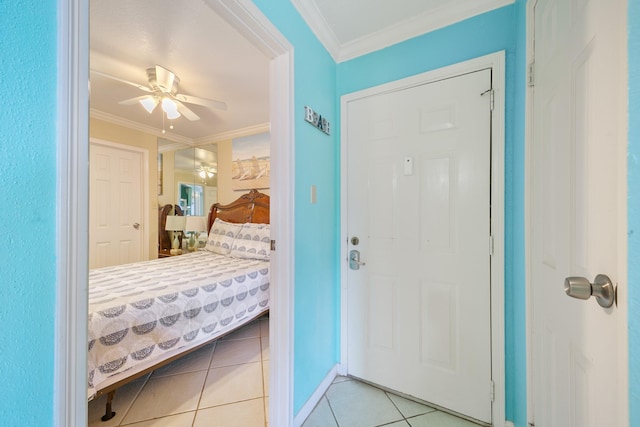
point(115, 207)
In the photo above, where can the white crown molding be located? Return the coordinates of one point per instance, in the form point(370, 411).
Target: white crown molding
point(314, 18)
point(179, 139)
point(233, 134)
point(164, 148)
point(417, 25)
point(101, 115)
point(412, 27)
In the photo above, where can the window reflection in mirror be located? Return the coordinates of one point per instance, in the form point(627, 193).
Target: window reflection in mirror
point(191, 198)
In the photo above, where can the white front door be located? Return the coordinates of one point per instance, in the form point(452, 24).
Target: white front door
point(577, 216)
point(115, 206)
point(418, 196)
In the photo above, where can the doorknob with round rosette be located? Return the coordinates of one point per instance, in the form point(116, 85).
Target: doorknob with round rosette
point(602, 289)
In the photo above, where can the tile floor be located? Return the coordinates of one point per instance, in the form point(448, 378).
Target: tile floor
point(351, 403)
point(226, 384)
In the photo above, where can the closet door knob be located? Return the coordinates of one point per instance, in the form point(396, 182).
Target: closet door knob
point(602, 289)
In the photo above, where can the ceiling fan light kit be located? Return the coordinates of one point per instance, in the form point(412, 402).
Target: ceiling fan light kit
point(170, 108)
point(206, 172)
point(163, 89)
point(149, 103)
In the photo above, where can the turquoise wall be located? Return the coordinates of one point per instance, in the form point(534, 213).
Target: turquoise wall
point(28, 194)
point(316, 338)
point(501, 29)
point(633, 164)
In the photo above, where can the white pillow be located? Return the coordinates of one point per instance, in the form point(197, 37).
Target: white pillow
point(221, 236)
point(253, 241)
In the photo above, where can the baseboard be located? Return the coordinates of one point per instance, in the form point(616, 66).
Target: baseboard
point(508, 424)
point(311, 403)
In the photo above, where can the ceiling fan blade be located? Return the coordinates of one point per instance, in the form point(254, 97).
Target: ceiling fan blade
point(133, 101)
point(218, 105)
point(118, 79)
point(185, 111)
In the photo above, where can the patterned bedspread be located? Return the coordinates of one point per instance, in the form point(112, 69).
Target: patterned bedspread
point(143, 313)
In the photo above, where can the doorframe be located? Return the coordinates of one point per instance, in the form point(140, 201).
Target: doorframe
point(622, 365)
point(72, 209)
point(495, 61)
point(144, 183)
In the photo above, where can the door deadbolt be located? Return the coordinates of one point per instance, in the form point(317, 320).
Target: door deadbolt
point(354, 260)
point(355, 241)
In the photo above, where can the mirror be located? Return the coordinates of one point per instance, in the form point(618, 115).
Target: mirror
point(188, 179)
point(196, 179)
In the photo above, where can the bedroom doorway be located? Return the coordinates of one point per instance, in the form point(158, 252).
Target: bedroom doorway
point(422, 281)
point(71, 337)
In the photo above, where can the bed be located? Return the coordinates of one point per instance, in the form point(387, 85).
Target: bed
point(145, 315)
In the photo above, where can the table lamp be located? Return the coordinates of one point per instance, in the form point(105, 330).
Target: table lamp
point(175, 224)
point(194, 225)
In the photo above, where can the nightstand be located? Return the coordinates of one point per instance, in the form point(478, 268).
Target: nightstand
point(165, 253)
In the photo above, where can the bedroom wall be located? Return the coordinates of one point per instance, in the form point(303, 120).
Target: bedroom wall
point(316, 316)
point(633, 256)
point(225, 193)
point(168, 195)
point(501, 29)
point(28, 193)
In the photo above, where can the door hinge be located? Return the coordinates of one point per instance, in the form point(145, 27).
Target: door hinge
point(492, 390)
point(273, 245)
point(531, 74)
point(491, 93)
point(491, 246)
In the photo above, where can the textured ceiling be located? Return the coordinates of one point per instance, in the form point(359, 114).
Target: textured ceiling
point(211, 59)
point(379, 14)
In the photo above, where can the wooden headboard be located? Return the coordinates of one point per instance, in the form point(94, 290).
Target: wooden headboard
point(250, 207)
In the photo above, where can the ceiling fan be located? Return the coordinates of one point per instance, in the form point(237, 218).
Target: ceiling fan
point(163, 89)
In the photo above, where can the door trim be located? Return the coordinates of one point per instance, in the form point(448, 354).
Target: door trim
point(72, 209)
point(144, 182)
point(622, 365)
point(495, 61)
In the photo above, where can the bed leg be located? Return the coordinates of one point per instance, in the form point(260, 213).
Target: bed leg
point(109, 413)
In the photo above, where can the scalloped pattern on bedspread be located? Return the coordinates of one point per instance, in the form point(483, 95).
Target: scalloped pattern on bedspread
point(138, 313)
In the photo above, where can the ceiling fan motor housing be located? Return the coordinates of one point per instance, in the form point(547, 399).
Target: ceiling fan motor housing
point(163, 80)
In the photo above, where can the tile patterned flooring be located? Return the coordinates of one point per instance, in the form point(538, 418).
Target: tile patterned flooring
point(351, 403)
point(226, 384)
